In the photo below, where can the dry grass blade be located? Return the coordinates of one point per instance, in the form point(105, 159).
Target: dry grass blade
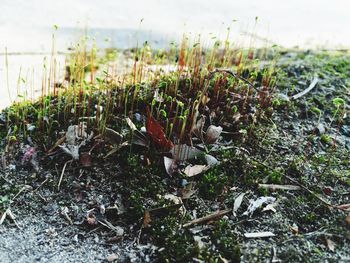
point(304, 92)
point(62, 173)
point(274, 187)
point(259, 234)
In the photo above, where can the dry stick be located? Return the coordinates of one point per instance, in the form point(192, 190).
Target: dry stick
point(62, 173)
point(7, 181)
point(59, 142)
point(65, 214)
point(36, 189)
point(24, 188)
point(300, 94)
point(305, 188)
point(230, 72)
point(309, 191)
point(207, 218)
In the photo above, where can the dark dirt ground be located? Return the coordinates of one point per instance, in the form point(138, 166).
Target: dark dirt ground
point(306, 142)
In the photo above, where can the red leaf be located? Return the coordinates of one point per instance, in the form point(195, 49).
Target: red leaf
point(155, 131)
point(327, 190)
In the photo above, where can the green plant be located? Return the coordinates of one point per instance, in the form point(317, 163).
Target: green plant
point(213, 183)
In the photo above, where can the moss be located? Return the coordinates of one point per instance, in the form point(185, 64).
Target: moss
point(174, 244)
point(226, 241)
point(310, 217)
point(326, 139)
point(275, 177)
point(212, 183)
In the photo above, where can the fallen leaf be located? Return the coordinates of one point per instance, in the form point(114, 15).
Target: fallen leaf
point(345, 207)
point(330, 244)
point(146, 219)
point(347, 219)
point(195, 170)
point(294, 228)
point(211, 160)
point(91, 219)
point(197, 128)
point(112, 257)
point(113, 136)
point(176, 201)
point(170, 165)
point(76, 136)
point(224, 260)
point(86, 159)
point(131, 124)
point(238, 202)
point(183, 152)
point(155, 131)
point(198, 240)
point(259, 234)
point(270, 207)
point(255, 204)
point(213, 134)
point(188, 191)
point(327, 190)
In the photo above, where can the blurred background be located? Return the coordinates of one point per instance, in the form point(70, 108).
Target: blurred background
point(26, 27)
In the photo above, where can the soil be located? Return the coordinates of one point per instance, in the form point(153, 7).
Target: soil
point(125, 208)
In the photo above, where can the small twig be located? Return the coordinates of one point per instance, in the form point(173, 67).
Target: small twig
point(211, 217)
point(230, 72)
point(24, 188)
point(309, 191)
point(7, 181)
point(36, 189)
point(119, 231)
point(300, 94)
point(59, 142)
point(64, 212)
point(62, 173)
point(139, 235)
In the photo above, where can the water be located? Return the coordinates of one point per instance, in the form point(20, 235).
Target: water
point(27, 26)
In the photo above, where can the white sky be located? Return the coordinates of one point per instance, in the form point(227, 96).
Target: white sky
point(26, 25)
point(287, 22)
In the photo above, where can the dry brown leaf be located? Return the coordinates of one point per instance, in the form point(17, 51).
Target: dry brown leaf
point(85, 159)
point(295, 229)
point(347, 219)
point(91, 219)
point(146, 219)
point(345, 207)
